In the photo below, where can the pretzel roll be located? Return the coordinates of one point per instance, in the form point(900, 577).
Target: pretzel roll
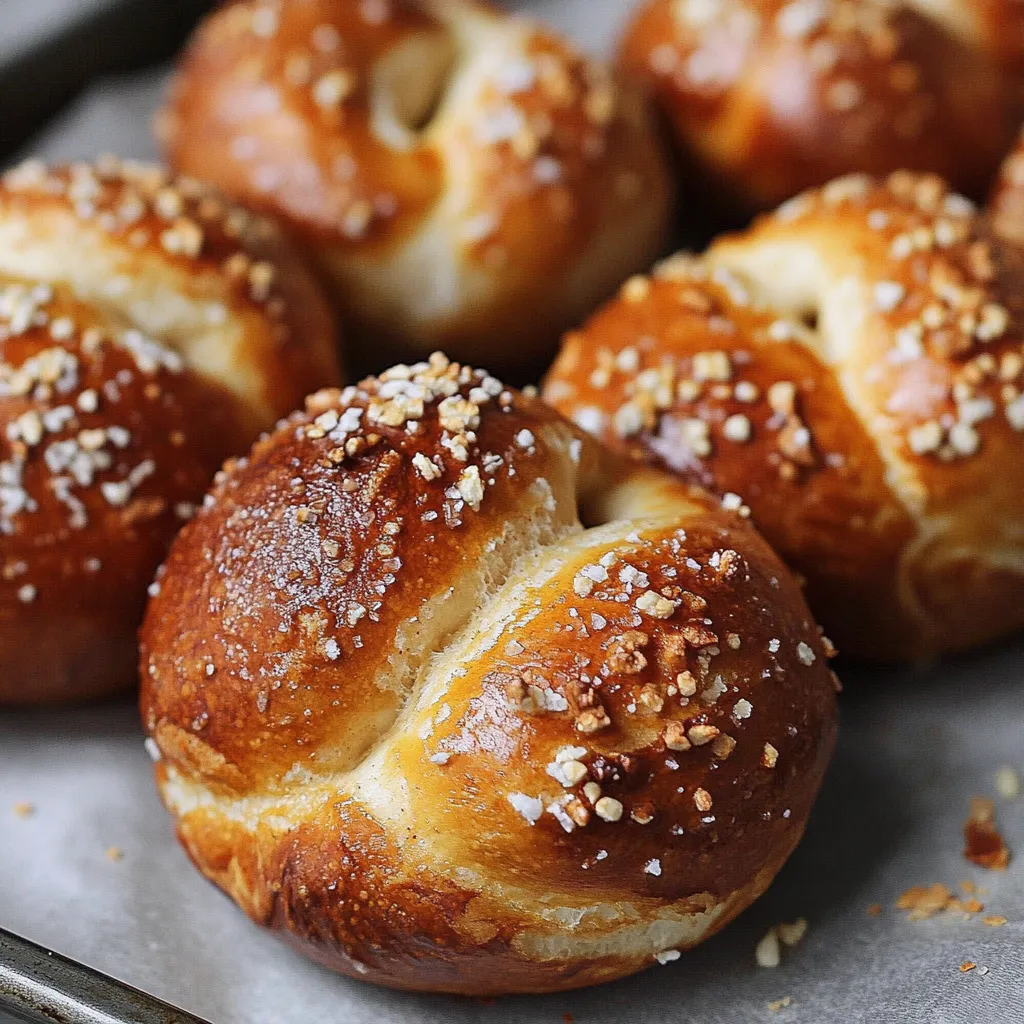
point(147, 331)
point(415, 715)
point(464, 178)
point(849, 370)
point(770, 97)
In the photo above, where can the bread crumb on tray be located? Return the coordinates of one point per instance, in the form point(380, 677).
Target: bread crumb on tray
point(985, 845)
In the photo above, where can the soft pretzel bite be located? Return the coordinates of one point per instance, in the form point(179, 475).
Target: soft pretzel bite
point(850, 371)
point(770, 97)
point(464, 178)
point(147, 331)
point(413, 714)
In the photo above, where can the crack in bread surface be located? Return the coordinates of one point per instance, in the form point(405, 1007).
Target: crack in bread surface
point(791, 279)
point(509, 601)
point(512, 592)
point(377, 782)
point(164, 304)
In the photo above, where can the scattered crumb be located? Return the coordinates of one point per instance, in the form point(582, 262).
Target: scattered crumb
point(23, 809)
point(792, 933)
point(1007, 783)
point(925, 901)
point(874, 910)
point(780, 1004)
point(114, 853)
point(768, 952)
point(966, 966)
point(985, 846)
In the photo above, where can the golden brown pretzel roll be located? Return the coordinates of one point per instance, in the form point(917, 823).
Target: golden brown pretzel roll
point(147, 331)
point(413, 714)
point(464, 178)
point(770, 97)
point(851, 368)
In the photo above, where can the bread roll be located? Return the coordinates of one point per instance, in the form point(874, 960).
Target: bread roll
point(147, 331)
point(464, 179)
point(850, 370)
point(770, 97)
point(457, 701)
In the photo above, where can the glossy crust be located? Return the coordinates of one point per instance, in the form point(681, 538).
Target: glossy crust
point(850, 369)
point(770, 97)
point(411, 713)
point(465, 179)
point(147, 331)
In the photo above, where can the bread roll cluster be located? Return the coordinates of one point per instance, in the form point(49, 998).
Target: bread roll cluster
point(463, 179)
point(459, 701)
point(457, 688)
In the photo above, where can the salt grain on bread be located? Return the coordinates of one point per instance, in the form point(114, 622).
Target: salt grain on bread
point(394, 730)
point(147, 331)
point(465, 179)
point(868, 335)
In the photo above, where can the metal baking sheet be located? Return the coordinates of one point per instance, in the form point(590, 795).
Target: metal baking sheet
point(89, 865)
point(51, 49)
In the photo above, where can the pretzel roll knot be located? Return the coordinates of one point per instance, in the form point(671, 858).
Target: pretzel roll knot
point(148, 330)
point(460, 175)
point(850, 371)
point(459, 701)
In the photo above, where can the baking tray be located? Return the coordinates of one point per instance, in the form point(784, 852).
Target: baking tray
point(51, 49)
point(89, 867)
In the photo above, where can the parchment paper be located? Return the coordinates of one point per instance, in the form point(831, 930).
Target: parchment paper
point(915, 746)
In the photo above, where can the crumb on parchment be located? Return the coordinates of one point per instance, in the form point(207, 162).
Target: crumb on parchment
point(1007, 783)
point(984, 845)
point(768, 952)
